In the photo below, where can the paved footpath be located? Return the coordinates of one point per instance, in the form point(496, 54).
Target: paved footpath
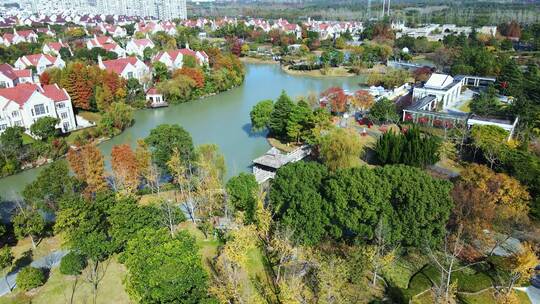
point(532, 292)
point(7, 283)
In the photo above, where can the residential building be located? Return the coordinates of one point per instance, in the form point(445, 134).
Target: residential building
point(26, 103)
point(137, 46)
point(443, 87)
point(128, 67)
point(175, 59)
point(106, 43)
point(41, 62)
point(18, 37)
point(10, 77)
point(53, 48)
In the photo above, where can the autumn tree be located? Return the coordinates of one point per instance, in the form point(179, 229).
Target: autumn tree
point(89, 166)
point(521, 266)
point(362, 100)
point(486, 200)
point(194, 73)
point(336, 98)
point(124, 166)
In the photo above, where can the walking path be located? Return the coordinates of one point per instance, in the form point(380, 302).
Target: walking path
point(7, 283)
point(532, 292)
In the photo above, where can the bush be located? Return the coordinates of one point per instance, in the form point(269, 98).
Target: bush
point(30, 277)
point(72, 264)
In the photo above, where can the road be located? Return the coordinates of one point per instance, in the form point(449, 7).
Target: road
point(48, 262)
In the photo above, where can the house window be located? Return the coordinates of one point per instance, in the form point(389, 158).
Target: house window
point(60, 105)
point(39, 109)
point(18, 123)
point(65, 126)
point(130, 75)
point(3, 84)
point(14, 114)
point(63, 115)
point(3, 127)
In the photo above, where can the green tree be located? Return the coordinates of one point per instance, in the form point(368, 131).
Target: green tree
point(242, 193)
point(359, 199)
point(280, 116)
point(260, 114)
point(160, 71)
point(72, 264)
point(340, 149)
point(29, 278)
point(51, 184)
point(45, 128)
point(298, 123)
point(421, 204)
point(28, 223)
point(189, 61)
point(167, 271)
point(384, 111)
point(164, 139)
point(297, 202)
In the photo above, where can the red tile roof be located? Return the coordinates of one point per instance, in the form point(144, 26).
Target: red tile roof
point(23, 73)
point(8, 71)
point(19, 94)
point(55, 93)
point(118, 65)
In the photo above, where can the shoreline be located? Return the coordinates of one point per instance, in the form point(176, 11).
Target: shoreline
point(333, 72)
point(252, 60)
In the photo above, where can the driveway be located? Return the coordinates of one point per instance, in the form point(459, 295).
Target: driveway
point(7, 283)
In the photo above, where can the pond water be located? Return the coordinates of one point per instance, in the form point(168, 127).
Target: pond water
point(222, 119)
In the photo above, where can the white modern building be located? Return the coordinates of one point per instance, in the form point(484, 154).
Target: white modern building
point(160, 9)
point(443, 87)
point(24, 104)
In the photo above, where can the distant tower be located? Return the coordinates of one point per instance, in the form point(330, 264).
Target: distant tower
point(369, 9)
point(385, 8)
point(383, 4)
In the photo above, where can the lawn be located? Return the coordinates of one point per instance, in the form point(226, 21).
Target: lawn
point(43, 248)
point(27, 139)
point(487, 297)
point(90, 116)
point(58, 287)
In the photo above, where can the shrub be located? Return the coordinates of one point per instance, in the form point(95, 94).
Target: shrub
point(72, 264)
point(29, 278)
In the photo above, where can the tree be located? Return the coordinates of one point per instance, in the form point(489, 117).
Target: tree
point(196, 74)
point(124, 165)
point(486, 200)
point(412, 148)
point(89, 166)
point(384, 111)
point(177, 90)
point(160, 71)
point(362, 99)
point(72, 264)
point(359, 201)
point(28, 223)
point(45, 128)
point(340, 149)
point(242, 193)
point(169, 271)
point(299, 121)
point(336, 98)
point(280, 116)
point(490, 139)
point(189, 61)
point(117, 119)
point(521, 266)
point(164, 139)
point(297, 202)
point(51, 184)
point(260, 114)
point(104, 98)
point(30, 277)
point(421, 204)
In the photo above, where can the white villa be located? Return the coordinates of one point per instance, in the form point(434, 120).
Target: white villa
point(18, 36)
point(10, 77)
point(175, 59)
point(24, 104)
point(106, 43)
point(137, 46)
point(40, 61)
point(53, 48)
point(129, 67)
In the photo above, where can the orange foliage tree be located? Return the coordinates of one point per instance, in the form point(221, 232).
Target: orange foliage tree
point(362, 100)
point(89, 166)
point(196, 74)
point(125, 168)
point(336, 98)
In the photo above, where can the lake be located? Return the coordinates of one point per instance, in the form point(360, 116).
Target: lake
point(222, 119)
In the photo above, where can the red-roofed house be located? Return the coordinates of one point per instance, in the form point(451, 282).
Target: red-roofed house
point(129, 67)
point(155, 99)
point(113, 30)
point(137, 46)
point(53, 48)
point(10, 77)
point(175, 59)
point(18, 37)
point(107, 43)
point(26, 103)
point(40, 61)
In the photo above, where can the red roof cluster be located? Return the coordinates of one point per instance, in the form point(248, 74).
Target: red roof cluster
point(22, 92)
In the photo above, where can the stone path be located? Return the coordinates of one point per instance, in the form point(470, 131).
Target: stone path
point(7, 283)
